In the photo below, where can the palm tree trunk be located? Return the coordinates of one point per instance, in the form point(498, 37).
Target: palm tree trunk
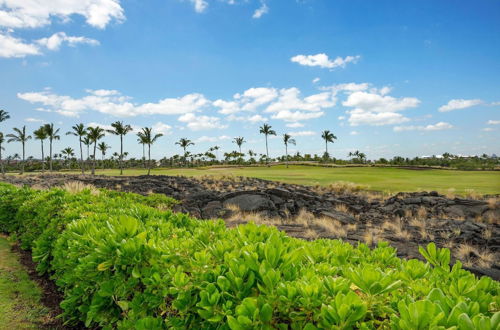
point(43, 158)
point(326, 146)
point(1, 162)
point(94, 160)
point(286, 155)
point(22, 163)
point(267, 153)
point(81, 157)
point(103, 161)
point(149, 159)
point(144, 155)
point(121, 154)
point(50, 156)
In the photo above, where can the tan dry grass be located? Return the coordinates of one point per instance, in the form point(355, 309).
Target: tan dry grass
point(75, 187)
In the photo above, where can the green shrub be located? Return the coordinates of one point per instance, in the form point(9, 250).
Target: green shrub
point(122, 263)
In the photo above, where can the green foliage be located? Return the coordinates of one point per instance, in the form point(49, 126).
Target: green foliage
point(125, 261)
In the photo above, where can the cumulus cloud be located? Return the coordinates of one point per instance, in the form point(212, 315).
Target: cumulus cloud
point(432, 127)
point(111, 102)
point(15, 47)
point(290, 99)
point(294, 125)
point(316, 80)
point(302, 133)
point(55, 41)
point(323, 61)
point(212, 139)
point(457, 104)
point(263, 9)
point(34, 120)
point(38, 13)
point(353, 133)
point(493, 122)
point(162, 128)
point(198, 123)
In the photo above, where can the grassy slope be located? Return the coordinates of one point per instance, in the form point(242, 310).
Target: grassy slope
point(377, 178)
point(20, 306)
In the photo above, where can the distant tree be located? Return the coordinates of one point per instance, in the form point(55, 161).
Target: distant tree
point(4, 115)
point(142, 140)
point(121, 130)
point(328, 137)
point(80, 131)
point(149, 138)
point(68, 153)
point(267, 130)
point(41, 134)
point(103, 148)
point(87, 142)
point(95, 134)
point(239, 141)
point(287, 139)
point(2, 141)
point(52, 134)
point(22, 137)
point(184, 143)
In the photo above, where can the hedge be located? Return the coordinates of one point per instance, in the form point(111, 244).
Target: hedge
point(125, 261)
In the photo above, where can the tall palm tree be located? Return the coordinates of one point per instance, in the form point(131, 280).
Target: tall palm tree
point(80, 131)
point(103, 147)
point(21, 136)
point(52, 134)
point(142, 140)
point(41, 134)
point(287, 139)
point(149, 138)
point(68, 153)
point(239, 141)
point(94, 134)
point(184, 143)
point(4, 115)
point(2, 141)
point(121, 130)
point(267, 130)
point(328, 137)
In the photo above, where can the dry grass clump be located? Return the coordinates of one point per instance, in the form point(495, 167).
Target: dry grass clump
point(310, 234)
point(422, 212)
point(473, 256)
point(343, 187)
point(341, 208)
point(450, 193)
point(397, 227)
point(77, 186)
point(493, 202)
point(487, 233)
point(472, 194)
point(372, 235)
point(304, 218)
point(332, 227)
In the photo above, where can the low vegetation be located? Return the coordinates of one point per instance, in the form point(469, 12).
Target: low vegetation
point(125, 261)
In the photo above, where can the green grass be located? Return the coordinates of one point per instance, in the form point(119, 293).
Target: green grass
point(20, 306)
point(377, 178)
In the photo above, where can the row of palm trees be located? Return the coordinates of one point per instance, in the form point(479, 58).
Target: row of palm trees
point(91, 136)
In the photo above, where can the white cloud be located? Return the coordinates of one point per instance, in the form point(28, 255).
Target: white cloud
point(323, 61)
point(198, 123)
point(212, 139)
point(487, 129)
point(435, 127)
point(290, 99)
point(252, 98)
point(38, 13)
point(162, 128)
point(294, 125)
point(294, 116)
point(457, 104)
point(199, 5)
point(493, 122)
point(360, 117)
point(353, 133)
point(263, 9)
point(302, 133)
point(111, 102)
point(34, 120)
point(316, 80)
point(14, 47)
point(55, 41)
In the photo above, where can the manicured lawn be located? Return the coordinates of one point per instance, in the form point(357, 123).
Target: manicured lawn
point(20, 306)
point(377, 178)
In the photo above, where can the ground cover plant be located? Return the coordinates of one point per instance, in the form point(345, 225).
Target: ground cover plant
point(126, 261)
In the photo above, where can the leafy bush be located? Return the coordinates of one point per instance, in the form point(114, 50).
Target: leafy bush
point(122, 263)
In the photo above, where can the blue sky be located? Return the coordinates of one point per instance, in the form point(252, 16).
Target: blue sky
point(387, 77)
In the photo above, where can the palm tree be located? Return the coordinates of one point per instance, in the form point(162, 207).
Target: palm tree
point(147, 136)
point(80, 131)
point(52, 135)
point(4, 115)
point(41, 134)
point(68, 153)
point(87, 142)
point(94, 134)
point(239, 141)
point(20, 135)
point(267, 130)
point(328, 137)
point(141, 139)
point(121, 130)
point(287, 139)
point(184, 143)
point(2, 141)
point(103, 147)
